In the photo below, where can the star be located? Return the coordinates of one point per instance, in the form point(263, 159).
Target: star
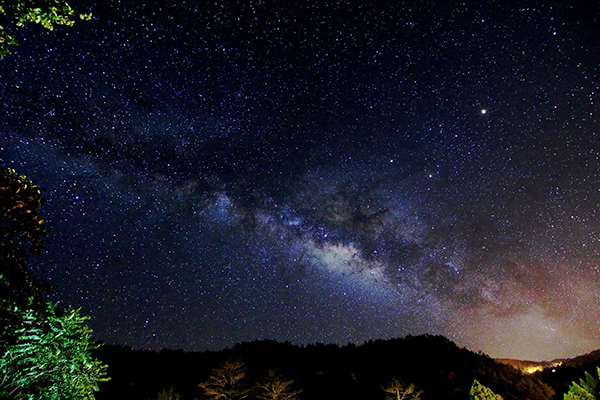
point(258, 165)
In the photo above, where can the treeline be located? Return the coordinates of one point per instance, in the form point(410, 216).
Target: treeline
point(433, 364)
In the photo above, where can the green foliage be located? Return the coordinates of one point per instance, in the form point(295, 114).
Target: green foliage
point(400, 391)
point(47, 13)
point(48, 355)
point(6, 40)
point(275, 387)
point(227, 382)
point(45, 353)
point(480, 392)
point(22, 231)
point(586, 389)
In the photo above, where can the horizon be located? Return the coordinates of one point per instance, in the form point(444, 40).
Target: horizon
point(366, 342)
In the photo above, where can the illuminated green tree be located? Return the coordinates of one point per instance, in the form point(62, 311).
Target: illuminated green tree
point(586, 389)
point(47, 13)
point(480, 392)
point(275, 387)
point(45, 353)
point(400, 391)
point(228, 382)
point(48, 356)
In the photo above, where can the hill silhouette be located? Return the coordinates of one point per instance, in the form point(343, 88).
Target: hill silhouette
point(434, 364)
point(571, 369)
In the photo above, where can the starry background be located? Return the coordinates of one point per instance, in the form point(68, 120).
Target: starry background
point(318, 171)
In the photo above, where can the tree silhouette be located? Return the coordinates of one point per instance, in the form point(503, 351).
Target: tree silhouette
point(170, 394)
point(22, 233)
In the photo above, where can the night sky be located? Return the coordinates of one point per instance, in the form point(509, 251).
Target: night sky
point(318, 171)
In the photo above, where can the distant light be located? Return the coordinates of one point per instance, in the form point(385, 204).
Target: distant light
point(484, 111)
point(532, 369)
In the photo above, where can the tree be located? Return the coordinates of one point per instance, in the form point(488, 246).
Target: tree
point(170, 394)
point(227, 382)
point(586, 389)
point(400, 391)
point(47, 13)
point(275, 387)
point(480, 392)
point(51, 356)
point(45, 352)
point(22, 231)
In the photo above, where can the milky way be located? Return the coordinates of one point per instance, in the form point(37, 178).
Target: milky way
point(323, 171)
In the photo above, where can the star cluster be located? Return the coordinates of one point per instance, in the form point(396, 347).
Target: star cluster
point(332, 171)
